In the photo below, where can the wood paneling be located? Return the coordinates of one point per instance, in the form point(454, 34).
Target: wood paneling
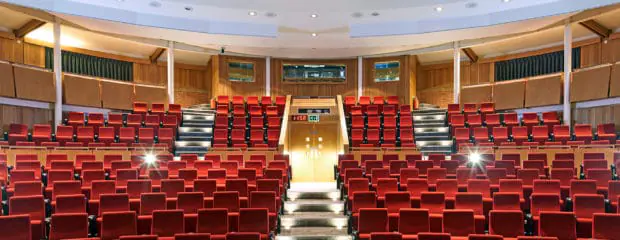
point(117, 95)
point(7, 80)
point(34, 83)
point(150, 94)
point(598, 115)
point(476, 94)
point(11, 50)
point(590, 83)
point(591, 55)
point(509, 94)
point(437, 79)
point(348, 88)
point(397, 88)
point(151, 74)
point(81, 91)
point(614, 82)
point(221, 84)
point(14, 114)
point(543, 90)
point(610, 51)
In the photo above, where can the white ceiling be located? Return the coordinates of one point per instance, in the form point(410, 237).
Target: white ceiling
point(293, 38)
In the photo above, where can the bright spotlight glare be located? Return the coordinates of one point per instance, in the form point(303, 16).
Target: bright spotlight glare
point(474, 158)
point(149, 158)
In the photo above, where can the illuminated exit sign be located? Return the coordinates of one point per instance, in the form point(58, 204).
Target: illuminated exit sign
point(314, 118)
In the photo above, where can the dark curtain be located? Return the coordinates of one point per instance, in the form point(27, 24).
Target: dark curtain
point(534, 65)
point(91, 66)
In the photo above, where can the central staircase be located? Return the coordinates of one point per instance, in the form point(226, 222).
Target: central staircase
point(431, 130)
point(196, 131)
point(313, 211)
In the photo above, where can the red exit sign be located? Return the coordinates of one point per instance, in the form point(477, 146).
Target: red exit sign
point(300, 118)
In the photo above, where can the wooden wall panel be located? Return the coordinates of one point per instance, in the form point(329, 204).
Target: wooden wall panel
point(614, 81)
point(34, 83)
point(11, 50)
point(434, 84)
point(509, 94)
point(610, 52)
point(117, 95)
point(150, 94)
point(476, 94)
point(598, 115)
point(7, 80)
point(34, 55)
point(590, 83)
point(349, 88)
point(543, 90)
point(591, 55)
point(399, 88)
point(151, 74)
point(222, 86)
point(25, 115)
point(81, 91)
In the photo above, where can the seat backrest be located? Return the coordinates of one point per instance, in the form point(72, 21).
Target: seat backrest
point(394, 201)
point(254, 220)
point(363, 199)
point(472, 201)
point(373, 220)
point(190, 202)
point(546, 186)
point(482, 186)
point(458, 222)
point(527, 176)
point(205, 186)
point(413, 221)
point(228, 200)
point(15, 227)
point(506, 201)
point(511, 185)
point(585, 205)
point(115, 224)
point(150, 202)
point(506, 223)
point(68, 226)
point(544, 202)
point(557, 224)
point(604, 226)
point(582, 187)
point(213, 221)
point(113, 203)
point(416, 186)
point(433, 201)
point(448, 186)
point(30, 205)
point(167, 223)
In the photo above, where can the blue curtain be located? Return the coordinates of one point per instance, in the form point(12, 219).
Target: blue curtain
point(91, 66)
point(534, 65)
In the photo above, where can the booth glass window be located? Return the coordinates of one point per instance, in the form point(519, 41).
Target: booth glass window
point(387, 71)
point(241, 72)
point(314, 73)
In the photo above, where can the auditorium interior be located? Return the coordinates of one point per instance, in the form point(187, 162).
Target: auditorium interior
point(309, 120)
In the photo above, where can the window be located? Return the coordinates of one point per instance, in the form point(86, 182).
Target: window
point(314, 73)
point(91, 66)
point(241, 71)
point(387, 71)
point(534, 65)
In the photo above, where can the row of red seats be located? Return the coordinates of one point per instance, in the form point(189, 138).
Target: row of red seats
point(461, 224)
point(87, 135)
point(503, 119)
point(480, 196)
point(389, 122)
point(256, 137)
point(254, 106)
point(136, 120)
point(377, 137)
point(374, 106)
point(223, 122)
point(184, 216)
point(560, 135)
point(157, 109)
point(123, 225)
point(471, 108)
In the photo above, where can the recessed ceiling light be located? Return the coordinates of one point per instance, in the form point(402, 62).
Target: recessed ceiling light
point(188, 8)
point(374, 14)
point(505, 1)
point(271, 14)
point(314, 15)
point(252, 13)
point(471, 5)
point(120, 0)
point(314, 34)
point(155, 4)
point(438, 9)
point(357, 15)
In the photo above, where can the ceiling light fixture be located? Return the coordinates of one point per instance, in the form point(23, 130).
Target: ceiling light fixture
point(271, 14)
point(438, 9)
point(314, 34)
point(505, 1)
point(155, 4)
point(314, 15)
point(188, 8)
point(252, 13)
point(374, 14)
